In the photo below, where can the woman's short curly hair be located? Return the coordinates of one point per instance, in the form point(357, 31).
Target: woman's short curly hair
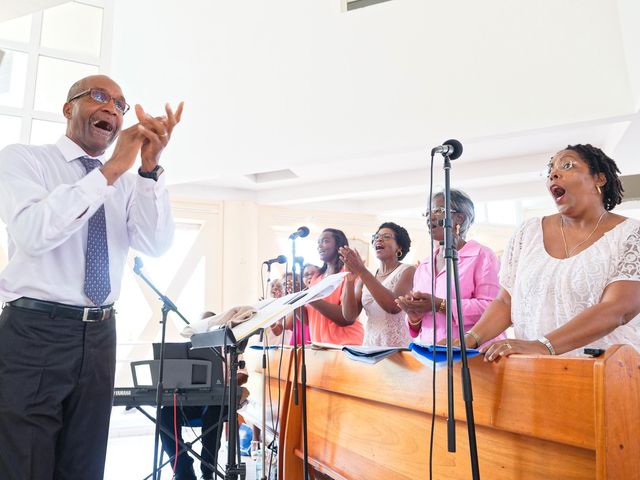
point(599, 162)
point(402, 237)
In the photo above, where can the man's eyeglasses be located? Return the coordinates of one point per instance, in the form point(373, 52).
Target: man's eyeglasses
point(563, 166)
point(436, 212)
point(103, 97)
point(382, 236)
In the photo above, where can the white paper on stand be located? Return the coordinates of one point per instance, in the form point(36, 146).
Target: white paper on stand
point(269, 311)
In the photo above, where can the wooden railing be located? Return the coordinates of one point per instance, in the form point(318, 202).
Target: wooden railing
point(537, 417)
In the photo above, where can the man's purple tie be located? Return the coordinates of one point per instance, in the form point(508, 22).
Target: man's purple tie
point(97, 284)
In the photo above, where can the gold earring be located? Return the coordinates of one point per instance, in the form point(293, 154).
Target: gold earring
point(599, 189)
point(458, 229)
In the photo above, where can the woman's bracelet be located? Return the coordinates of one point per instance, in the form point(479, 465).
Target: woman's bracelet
point(414, 325)
point(545, 341)
point(443, 306)
point(475, 336)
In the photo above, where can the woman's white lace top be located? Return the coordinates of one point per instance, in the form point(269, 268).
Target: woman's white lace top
point(383, 328)
point(547, 292)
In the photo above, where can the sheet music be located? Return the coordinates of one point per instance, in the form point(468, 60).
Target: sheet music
point(271, 310)
point(280, 307)
point(263, 319)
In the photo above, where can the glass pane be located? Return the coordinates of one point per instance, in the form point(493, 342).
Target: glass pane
point(191, 300)
point(72, 27)
point(55, 77)
point(133, 307)
point(13, 78)
point(10, 128)
point(161, 270)
point(43, 132)
point(16, 29)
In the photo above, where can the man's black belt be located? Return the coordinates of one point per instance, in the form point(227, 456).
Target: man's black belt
point(85, 314)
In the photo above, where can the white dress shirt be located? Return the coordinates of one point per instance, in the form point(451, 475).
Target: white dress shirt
point(46, 200)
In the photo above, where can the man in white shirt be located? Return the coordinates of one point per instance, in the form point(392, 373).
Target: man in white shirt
point(72, 214)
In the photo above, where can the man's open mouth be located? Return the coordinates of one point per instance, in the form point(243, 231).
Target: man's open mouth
point(103, 125)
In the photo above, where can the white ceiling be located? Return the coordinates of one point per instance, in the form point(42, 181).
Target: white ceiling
point(352, 102)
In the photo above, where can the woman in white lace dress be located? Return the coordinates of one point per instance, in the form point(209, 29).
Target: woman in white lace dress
point(570, 280)
point(376, 293)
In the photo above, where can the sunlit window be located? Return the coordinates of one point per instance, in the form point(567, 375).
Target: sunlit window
point(10, 127)
point(85, 35)
point(44, 53)
point(17, 29)
point(13, 78)
point(43, 131)
point(184, 286)
point(55, 76)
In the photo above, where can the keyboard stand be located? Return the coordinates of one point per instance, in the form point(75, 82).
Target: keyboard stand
point(184, 446)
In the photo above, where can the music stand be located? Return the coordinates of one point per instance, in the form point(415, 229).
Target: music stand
point(225, 339)
point(233, 340)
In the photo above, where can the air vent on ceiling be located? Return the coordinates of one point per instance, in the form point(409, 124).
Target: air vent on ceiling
point(348, 5)
point(273, 176)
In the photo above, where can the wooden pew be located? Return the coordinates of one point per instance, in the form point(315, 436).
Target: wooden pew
point(537, 417)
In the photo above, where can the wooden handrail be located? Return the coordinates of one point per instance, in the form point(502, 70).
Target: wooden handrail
point(536, 417)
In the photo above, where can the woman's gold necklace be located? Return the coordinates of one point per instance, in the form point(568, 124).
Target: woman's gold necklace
point(382, 275)
point(568, 252)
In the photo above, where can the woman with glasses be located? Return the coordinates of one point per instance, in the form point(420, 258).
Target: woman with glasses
point(571, 279)
point(326, 322)
point(477, 271)
point(376, 293)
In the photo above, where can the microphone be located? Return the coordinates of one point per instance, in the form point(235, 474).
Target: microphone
point(451, 148)
point(301, 233)
point(278, 259)
point(137, 265)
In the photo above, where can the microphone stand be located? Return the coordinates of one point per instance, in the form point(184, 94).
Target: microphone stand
point(167, 306)
point(265, 342)
point(265, 345)
point(451, 262)
point(268, 286)
point(303, 365)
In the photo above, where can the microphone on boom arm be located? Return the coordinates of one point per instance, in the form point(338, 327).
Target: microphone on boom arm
point(300, 233)
point(278, 259)
point(451, 148)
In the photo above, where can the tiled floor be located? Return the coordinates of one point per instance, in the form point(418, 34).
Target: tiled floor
point(130, 449)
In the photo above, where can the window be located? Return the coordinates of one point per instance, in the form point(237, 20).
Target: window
point(44, 53)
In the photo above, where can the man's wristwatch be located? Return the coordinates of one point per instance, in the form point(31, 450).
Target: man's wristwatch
point(154, 174)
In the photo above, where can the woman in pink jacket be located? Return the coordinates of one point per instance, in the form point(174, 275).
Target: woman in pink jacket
point(478, 270)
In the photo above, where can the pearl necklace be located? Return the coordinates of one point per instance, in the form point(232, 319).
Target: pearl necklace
point(568, 252)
